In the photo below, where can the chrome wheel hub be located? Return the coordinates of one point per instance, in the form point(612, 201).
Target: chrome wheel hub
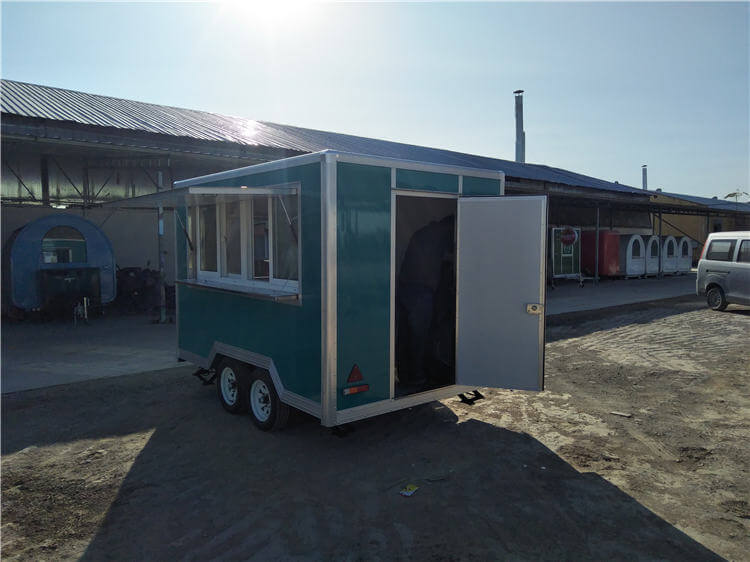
point(260, 400)
point(228, 382)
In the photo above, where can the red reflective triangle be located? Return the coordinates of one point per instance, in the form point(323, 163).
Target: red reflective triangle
point(355, 375)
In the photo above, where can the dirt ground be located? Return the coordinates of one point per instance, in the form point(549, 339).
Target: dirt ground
point(150, 467)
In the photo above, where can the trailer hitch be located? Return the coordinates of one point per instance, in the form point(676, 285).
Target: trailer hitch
point(475, 395)
point(207, 376)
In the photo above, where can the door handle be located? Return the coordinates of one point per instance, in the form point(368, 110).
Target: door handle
point(534, 308)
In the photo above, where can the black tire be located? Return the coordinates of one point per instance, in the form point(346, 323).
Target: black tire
point(231, 385)
point(716, 299)
point(266, 410)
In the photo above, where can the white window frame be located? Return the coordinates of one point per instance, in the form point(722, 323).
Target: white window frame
point(201, 273)
point(191, 230)
point(244, 281)
point(224, 269)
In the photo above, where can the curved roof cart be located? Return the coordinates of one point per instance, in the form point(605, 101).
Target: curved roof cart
point(684, 255)
point(633, 256)
point(652, 255)
point(58, 260)
point(669, 251)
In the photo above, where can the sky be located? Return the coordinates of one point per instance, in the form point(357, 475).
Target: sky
point(608, 86)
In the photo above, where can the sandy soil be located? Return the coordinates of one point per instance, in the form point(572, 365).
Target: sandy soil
point(150, 467)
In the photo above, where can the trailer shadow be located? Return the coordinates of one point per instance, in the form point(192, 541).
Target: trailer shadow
point(209, 485)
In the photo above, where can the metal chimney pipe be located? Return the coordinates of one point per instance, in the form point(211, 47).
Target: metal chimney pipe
point(520, 133)
point(644, 171)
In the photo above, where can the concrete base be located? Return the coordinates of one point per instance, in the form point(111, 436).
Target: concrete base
point(569, 297)
point(36, 355)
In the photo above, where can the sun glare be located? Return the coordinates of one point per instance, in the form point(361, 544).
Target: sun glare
point(269, 15)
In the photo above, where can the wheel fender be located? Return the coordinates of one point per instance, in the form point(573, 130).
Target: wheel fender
point(714, 283)
point(219, 350)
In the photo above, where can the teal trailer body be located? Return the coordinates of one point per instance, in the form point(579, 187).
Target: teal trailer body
point(290, 266)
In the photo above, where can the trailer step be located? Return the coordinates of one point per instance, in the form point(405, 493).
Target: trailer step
point(207, 376)
point(475, 395)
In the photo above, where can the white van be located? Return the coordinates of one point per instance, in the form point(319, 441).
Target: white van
point(724, 269)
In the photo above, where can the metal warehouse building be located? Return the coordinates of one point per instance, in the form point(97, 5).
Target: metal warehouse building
point(74, 150)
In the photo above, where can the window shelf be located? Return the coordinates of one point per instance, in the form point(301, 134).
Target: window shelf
point(265, 293)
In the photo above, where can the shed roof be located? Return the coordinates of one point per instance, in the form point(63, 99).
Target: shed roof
point(714, 203)
point(58, 104)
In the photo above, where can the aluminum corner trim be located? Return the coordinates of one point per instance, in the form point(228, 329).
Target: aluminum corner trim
point(328, 288)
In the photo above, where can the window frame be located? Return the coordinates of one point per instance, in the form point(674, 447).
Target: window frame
point(732, 252)
point(244, 281)
point(653, 244)
point(743, 243)
point(223, 261)
point(637, 244)
point(64, 237)
point(202, 273)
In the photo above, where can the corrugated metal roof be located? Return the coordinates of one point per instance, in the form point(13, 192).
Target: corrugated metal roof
point(720, 204)
point(45, 102)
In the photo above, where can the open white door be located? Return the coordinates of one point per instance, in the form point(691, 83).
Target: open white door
point(501, 289)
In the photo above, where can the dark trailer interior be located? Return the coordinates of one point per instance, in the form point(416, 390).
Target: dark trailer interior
point(425, 293)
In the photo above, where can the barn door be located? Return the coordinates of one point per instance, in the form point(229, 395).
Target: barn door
point(501, 290)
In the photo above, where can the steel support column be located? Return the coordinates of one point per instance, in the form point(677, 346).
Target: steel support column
point(86, 190)
point(44, 176)
point(162, 291)
point(661, 244)
point(596, 249)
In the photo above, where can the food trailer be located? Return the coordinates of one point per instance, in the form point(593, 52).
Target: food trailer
point(348, 285)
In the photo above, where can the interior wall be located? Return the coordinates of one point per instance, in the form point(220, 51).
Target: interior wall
point(133, 233)
point(412, 213)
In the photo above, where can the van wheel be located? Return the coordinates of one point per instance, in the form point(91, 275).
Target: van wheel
point(231, 385)
point(267, 411)
point(716, 299)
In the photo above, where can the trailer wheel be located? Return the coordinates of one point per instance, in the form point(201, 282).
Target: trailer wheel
point(716, 299)
point(231, 385)
point(267, 411)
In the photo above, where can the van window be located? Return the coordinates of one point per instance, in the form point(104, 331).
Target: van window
point(744, 255)
point(721, 250)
